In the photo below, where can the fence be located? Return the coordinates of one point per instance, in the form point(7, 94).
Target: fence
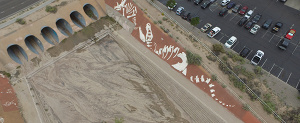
point(221, 62)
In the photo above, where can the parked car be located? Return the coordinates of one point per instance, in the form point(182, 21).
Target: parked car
point(257, 57)
point(248, 25)
point(283, 1)
point(223, 12)
point(245, 52)
point(277, 26)
point(186, 15)
point(248, 14)
point(254, 29)
point(243, 10)
point(284, 43)
point(230, 42)
point(206, 4)
point(214, 32)
point(267, 24)
point(197, 2)
point(179, 10)
point(230, 5)
point(212, 1)
point(256, 18)
point(206, 27)
point(171, 7)
point(242, 21)
point(236, 8)
point(290, 34)
point(225, 2)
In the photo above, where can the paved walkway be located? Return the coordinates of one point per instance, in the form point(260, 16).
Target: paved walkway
point(293, 4)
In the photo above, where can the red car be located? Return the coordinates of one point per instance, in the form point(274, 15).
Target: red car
point(243, 10)
point(290, 34)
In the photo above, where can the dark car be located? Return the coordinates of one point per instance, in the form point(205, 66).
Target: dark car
point(284, 43)
point(242, 21)
point(223, 12)
point(243, 10)
point(256, 18)
point(277, 26)
point(245, 52)
point(230, 5)
point(267, 24)
point(186, 15)
point(205, 4)
point(249, 25)
point(197, 2)
point(283, 1)
point(236, 8)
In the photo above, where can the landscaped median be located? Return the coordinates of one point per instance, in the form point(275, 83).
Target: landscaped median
point(160, 43)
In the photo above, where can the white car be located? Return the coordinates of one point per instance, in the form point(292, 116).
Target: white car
point(225, 2)
point(257, 57)
point(179, 10)
point(214, 32)
point(248, 14)
point(230, 42)
point(254, 29)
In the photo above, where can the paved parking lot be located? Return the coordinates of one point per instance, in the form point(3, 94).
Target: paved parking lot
point(283, 64)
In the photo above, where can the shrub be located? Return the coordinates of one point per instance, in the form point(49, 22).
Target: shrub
point(214, 77)
point(237, 83)
point(218, 48)
point(51, 9)
point(225, 58)
point(160, 22)
point(211, 58)
point(223, 85)
point(271, 105)
point(21, 21)
point(194, 59)
point(8, 75)
point(164, 18)
point(224, 69)
point(119, 120)
point(162, 14)
point(246, 107)
point(258, 70)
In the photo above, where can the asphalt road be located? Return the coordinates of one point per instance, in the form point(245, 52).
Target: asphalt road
point(283, 64)
point(8, 7)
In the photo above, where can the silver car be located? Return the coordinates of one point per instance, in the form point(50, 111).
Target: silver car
point(254, 29)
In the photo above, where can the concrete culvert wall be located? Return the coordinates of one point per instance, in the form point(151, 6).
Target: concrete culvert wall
point(49, 35)
point(17, 53)
point(34, 44)
point(77, 19)
point(64, 27)
point(91, 11)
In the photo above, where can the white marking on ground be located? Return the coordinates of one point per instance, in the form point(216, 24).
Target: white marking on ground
point(288, 78)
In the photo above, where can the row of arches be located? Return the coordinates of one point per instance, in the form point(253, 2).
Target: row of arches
point(18, 54)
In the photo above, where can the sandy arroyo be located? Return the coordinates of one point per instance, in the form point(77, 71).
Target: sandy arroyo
point(100, 84)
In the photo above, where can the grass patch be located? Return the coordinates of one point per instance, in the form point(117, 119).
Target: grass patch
point(51, 9)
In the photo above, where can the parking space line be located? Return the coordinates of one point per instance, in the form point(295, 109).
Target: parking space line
point(221, 38)
point(271, 38)
point(295, 49)
point(264, 62)
point(280, 72)
point(264, 34)
point(249, 54)
point(297, 84)
point(242, 49)
point(278, 42)
point(235, 44)
point(271, 69)
point(292, 26)
point(233, 17)
point(288, 78)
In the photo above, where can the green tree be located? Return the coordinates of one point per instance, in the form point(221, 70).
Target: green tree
point(195, 21)
point(194, 59)
point(171, 3)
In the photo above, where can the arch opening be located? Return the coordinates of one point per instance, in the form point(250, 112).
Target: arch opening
point(34, 44)
point(17, 53)
point(49, 35)
point(64, 27)
point(91, 11)
point(77, 19)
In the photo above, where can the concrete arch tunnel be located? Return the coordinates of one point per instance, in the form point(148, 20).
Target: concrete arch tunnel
point(34, 44)
point(17, 53)
point(91, 11)
point(64, 27)
point(49, 35)
point(77, 19)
